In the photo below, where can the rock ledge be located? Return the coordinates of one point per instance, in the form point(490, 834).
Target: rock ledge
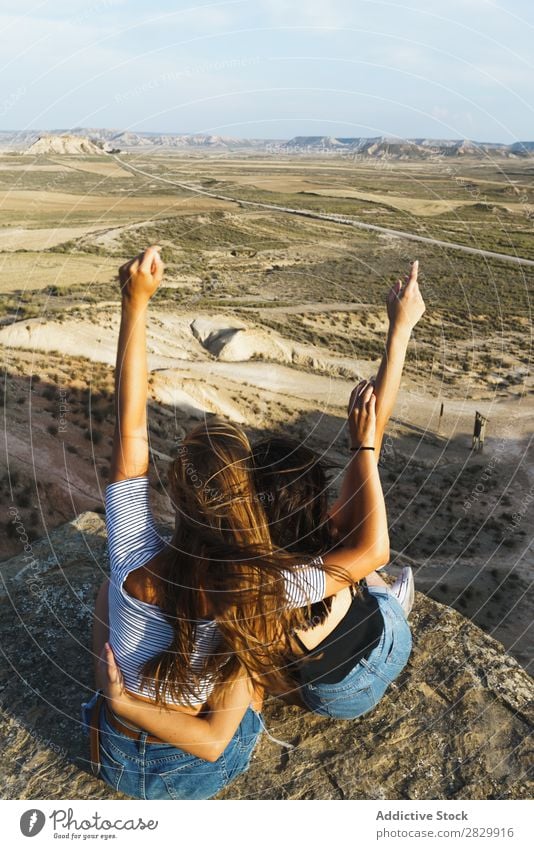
point(456, 728)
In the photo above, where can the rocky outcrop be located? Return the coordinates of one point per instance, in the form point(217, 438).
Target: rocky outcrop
point(64, 145)
point(456, 727)
point(237, 342)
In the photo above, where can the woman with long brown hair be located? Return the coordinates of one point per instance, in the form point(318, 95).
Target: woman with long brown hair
point(194, 621)
point(356, 643)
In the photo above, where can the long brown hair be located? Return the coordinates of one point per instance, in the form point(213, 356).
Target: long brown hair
point(222, 565)
point(293, 486)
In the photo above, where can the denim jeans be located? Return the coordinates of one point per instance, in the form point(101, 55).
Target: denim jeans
point(361, 690)
point(161, 771)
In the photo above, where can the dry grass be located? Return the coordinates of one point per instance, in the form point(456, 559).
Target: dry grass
point(36, 270)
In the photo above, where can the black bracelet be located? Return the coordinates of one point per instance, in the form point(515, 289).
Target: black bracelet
point(363, 448)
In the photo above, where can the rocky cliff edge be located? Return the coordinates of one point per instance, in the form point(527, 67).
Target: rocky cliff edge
point(457, 726)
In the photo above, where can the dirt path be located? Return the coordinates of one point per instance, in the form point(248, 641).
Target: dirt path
point(297, 309)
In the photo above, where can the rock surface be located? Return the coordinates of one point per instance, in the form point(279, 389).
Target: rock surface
point(456, 727)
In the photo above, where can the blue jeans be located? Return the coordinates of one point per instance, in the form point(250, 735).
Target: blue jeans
point(161, 771)
point(361, 690)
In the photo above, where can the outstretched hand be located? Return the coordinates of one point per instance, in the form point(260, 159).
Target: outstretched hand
point(405, 303)
point(140, 277)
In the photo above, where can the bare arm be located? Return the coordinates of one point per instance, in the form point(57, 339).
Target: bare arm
point(405, 307)
point(366, 545)
point(365, 542)
point(139, 280)
point(388, 379)
point(205, 736)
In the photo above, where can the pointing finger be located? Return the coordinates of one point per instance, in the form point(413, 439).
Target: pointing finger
point(413, 272)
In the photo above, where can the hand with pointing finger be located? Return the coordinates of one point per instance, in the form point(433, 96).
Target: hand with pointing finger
point(405, 303)
point(140, 277)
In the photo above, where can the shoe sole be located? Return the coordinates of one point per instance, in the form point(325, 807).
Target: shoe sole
point(410, 593)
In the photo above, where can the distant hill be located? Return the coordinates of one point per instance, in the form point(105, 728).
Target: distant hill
point(127, 140)
point(64, 145)
point(87, 141)
point(383, 147)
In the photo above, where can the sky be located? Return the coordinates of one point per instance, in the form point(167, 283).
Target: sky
point(271, 68)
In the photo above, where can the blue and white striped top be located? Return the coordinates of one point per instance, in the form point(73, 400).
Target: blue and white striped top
point(138, 630)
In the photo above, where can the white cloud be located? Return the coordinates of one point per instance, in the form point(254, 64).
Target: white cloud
point(317, 13)
point(508, 75)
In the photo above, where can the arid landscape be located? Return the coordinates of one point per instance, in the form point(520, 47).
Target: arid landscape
point(269, 316)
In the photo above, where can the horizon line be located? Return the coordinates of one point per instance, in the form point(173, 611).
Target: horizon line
point(391, 137)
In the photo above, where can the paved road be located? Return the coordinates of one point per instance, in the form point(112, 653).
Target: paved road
point(337, 219)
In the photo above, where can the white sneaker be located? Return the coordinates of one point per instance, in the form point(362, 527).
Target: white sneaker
point(404, 589)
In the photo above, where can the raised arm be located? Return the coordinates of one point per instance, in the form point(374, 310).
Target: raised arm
point(365, 541)
point(206, 736)
point(138, 279)
point(405, 307)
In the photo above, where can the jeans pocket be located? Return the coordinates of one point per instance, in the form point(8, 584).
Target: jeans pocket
point(401, 646)
point(111, 770)
point(349, 705)
point(193, 779)
point(342, 702)
point(249, 731)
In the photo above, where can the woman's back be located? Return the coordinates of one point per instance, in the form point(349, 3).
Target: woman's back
point(139, 629)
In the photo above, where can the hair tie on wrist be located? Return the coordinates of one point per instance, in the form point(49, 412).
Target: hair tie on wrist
point(363, 448)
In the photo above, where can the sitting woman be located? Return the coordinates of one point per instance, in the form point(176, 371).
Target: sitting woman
point(355, 643)
point(210, 698)
point(358, 641)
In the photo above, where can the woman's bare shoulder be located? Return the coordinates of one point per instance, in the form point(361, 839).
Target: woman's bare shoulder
point(144, 583)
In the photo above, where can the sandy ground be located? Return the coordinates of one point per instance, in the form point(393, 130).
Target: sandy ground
point(40, 239)
point(107, 169)
point(35, 270)
point(10, 165)
point(49, 203)
point(415, 206)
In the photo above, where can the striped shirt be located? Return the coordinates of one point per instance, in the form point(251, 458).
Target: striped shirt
point(139, 630)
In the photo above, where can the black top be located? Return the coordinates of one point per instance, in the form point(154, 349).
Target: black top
point(352, 640)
